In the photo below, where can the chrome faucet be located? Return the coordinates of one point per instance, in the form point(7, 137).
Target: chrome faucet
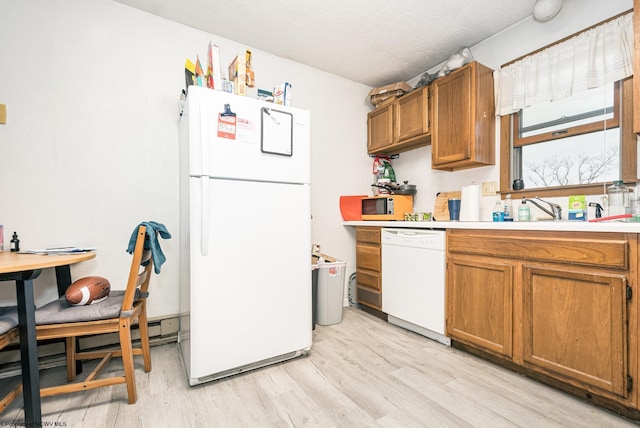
point(555, 209)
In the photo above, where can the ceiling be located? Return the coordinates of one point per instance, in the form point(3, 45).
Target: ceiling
point(374, 42)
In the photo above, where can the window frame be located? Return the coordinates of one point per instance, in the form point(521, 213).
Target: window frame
point(628, 153)
point(570, 131)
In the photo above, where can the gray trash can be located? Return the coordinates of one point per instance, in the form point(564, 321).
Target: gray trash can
point(314, 295)
point(330, 292)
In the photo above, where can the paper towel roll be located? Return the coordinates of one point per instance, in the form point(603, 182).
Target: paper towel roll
point(470, 203)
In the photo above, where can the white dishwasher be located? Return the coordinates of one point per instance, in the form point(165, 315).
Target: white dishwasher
point(413, 280)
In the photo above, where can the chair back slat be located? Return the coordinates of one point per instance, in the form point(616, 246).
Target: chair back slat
point(146, 255)
point(141, 278)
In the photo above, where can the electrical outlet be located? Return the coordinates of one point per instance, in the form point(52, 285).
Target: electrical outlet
point(489, 188)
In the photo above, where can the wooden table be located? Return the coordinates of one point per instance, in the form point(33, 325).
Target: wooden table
point(23, 269)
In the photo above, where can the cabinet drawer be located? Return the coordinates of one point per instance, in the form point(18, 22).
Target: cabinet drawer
point(605, 250)
point(368, 279)
point(369, 235)
point(370, 298)
point(368, 257)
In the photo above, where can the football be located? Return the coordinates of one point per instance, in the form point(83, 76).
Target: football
point(88, 290)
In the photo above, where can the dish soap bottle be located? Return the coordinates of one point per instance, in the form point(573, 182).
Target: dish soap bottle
point(508, 209)
point(618, 197)
point(498, 211)
point(524, 212)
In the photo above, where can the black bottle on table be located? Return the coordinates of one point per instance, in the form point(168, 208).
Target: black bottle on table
point(14, 245)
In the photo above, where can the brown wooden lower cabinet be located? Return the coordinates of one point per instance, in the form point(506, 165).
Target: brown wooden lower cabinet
point(480, 302)
point(575, 326)
point(558, 306)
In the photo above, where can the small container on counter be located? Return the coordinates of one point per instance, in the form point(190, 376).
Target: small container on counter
point(418, 216)
point(618, 197)
point(425, 216)
point(577, 208)
point(634, 204)
point(508, 209)
point(498, 212)
point(524, 212)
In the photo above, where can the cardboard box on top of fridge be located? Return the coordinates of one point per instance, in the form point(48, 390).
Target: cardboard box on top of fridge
point(214, 73)
point(393, 90)
point(250, 73)
point(265, 95)
point(282, 94)
point(238, 75)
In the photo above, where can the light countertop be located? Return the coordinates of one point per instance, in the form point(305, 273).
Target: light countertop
point(578, 226)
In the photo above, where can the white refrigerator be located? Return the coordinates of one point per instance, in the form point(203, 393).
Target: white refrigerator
point(245, 234)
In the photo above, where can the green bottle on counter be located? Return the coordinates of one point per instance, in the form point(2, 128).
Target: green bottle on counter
point(524, 212)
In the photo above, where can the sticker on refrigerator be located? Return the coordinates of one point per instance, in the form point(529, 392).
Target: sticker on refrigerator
point(227, 123)
point(245, 130)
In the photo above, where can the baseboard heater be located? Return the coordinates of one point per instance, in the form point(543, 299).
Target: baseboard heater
point(51, 352)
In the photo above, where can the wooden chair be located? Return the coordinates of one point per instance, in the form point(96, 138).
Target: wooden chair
point(116, 314)
point(8, 334)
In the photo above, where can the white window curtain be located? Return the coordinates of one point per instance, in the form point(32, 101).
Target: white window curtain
point(595, 57)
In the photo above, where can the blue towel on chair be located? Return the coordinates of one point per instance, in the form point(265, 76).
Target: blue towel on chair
point(153, 230)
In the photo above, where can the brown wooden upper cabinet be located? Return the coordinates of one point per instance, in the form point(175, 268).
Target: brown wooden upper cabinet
point(463, 134)
point(401, 125)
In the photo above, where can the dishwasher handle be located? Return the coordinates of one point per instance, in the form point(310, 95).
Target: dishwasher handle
point(399, 232)
point(413, 232)
point(430, 239)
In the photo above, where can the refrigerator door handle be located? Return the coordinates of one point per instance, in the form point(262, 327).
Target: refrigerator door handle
point(204, 140)
point(204, 181)
point(204, 215)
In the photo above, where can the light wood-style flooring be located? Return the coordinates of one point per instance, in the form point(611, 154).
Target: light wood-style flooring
point(362, 372)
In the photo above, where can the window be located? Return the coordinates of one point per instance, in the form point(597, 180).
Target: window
point(572, 141)
point(577, 144)
point(567, 111)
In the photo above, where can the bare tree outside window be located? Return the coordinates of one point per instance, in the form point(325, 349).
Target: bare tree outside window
point(581, 168)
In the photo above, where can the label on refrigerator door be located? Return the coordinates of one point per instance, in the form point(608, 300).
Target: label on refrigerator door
point(232, 127)
point(227, 123)
point(245, 130)
point(227, 127)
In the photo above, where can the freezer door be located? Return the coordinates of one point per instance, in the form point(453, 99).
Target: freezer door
point(250, 296)
point(224, 146)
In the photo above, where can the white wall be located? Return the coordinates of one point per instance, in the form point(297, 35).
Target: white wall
point(90, 145)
